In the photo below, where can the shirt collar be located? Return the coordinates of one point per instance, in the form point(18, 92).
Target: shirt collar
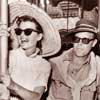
point(35, 54)
point(69, 56)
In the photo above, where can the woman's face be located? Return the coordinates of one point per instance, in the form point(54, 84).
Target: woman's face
point(28, 41)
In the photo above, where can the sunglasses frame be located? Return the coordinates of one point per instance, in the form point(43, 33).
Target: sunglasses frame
point(84, 40)
point(27, 31)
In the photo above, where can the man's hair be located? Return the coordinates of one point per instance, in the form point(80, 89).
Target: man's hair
point(31, 19)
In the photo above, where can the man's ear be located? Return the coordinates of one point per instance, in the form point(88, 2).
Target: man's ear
point(94, 42)
point(40, 36)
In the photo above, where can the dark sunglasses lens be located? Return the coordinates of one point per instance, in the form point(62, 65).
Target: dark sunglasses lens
point(28, 32)
point(18, 31)
point(85, 40)
point(76, 40)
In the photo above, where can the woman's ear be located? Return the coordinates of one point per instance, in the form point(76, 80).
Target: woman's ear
point(40, 36)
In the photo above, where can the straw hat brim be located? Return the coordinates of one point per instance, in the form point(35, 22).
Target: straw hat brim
point(51, 42)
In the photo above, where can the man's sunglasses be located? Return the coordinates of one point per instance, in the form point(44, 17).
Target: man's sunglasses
point(27, 31)
point(84, 40)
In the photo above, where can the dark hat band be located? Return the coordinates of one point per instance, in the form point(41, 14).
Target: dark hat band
point(86, 28)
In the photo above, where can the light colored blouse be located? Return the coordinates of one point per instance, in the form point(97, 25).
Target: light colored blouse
point(28, 72)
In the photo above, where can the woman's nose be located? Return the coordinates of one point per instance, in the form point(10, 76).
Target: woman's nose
point(22, 34)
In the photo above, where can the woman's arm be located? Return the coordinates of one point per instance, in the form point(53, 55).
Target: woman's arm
point(21, 91)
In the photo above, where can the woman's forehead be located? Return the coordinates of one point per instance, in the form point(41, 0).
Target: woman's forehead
point(27, 24)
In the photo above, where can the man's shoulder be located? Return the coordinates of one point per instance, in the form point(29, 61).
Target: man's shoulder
point(98, 63)
point(66, 55)
point(98, 57)
point(98, 60)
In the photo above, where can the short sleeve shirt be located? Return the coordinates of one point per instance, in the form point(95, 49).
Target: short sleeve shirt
point(28, 72)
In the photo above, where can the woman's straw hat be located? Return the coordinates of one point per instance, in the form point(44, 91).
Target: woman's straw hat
point(51, 43)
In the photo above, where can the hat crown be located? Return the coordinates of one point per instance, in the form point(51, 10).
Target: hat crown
point(86, 23)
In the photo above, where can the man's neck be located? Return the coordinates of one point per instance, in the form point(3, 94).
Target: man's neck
point(79, 60)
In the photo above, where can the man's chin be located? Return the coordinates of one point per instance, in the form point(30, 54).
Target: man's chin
point(79, 54)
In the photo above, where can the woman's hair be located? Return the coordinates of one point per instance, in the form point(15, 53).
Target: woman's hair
point(31, 19)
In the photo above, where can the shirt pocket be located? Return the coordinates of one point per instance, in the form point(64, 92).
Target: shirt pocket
point(62, 91)
point(89, 92)
point(91, 87)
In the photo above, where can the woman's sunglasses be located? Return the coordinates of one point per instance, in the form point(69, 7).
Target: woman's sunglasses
point(27, 31)
point(84, 40)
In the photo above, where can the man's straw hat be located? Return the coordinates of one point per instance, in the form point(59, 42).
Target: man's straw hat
point(84, 25)
point(51, 43)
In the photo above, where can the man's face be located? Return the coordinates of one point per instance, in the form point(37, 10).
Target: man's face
point(83, 43)
point(28, 41)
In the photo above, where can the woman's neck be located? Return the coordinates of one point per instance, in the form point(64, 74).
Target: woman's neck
point(30, 51)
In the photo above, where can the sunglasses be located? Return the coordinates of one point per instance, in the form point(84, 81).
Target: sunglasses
point(84, 40)
point(27, 31)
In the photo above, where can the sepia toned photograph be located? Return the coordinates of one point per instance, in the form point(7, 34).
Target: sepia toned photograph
point(49, 49)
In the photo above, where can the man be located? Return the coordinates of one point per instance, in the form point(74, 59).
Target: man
point(28, 73)
point(75, 74)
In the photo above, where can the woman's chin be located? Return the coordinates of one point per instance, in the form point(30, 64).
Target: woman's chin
point(24, 47)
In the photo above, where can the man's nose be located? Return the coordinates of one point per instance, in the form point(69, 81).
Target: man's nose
point(80, 42)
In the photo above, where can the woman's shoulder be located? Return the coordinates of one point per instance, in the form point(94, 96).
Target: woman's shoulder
point(44, 64)
point(14, 51)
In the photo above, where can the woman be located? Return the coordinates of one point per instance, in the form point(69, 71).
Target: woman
point(37, 38)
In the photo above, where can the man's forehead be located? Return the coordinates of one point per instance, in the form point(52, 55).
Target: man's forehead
point(84, 34)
